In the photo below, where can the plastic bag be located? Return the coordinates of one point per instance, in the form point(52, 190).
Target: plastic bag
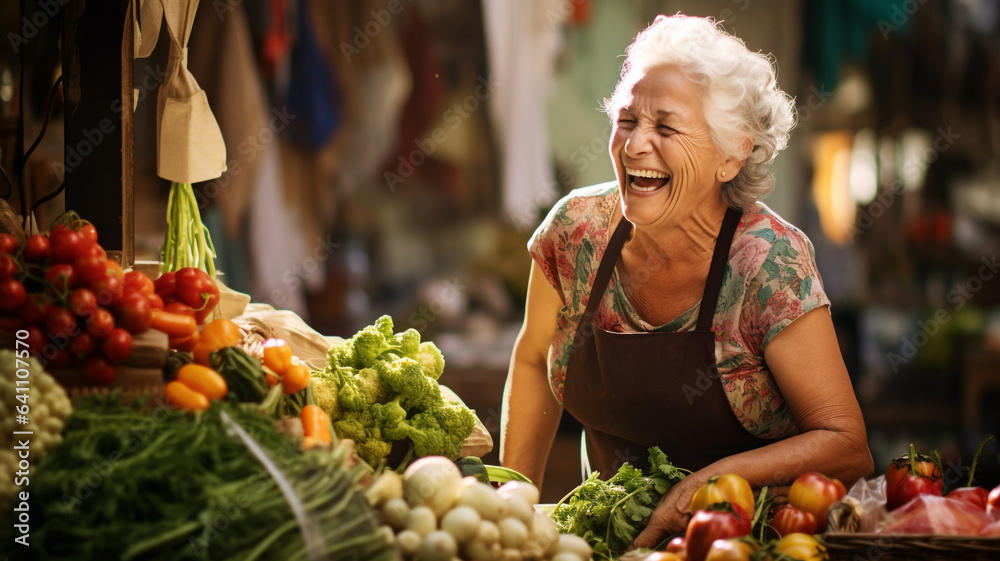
point(862, 509)
point(930, 514)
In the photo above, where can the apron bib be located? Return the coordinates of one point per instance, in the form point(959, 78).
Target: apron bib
point(631, 391)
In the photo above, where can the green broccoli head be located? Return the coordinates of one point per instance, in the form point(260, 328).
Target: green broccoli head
point(384, 326)
point(351, 396)
point(360, 426)
point(430, 358)
point(405, 378)
point(409, 343)
point(389, 419)
point(455, 418)
point(325, 393)
point(430, 438)
point(369, 383)
point(373, 451)
point(340, 354)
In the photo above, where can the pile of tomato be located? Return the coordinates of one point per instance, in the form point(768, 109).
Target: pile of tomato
point(72, 305)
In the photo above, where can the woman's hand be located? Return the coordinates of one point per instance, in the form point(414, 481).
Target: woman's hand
point(671, 515)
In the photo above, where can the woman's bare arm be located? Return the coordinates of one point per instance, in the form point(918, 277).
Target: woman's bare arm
point(531, 414)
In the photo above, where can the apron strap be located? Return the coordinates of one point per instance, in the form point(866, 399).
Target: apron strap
point(607, 266)
point(710, 298)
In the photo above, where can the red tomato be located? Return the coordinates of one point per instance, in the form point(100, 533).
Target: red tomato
point(108, 289)
point(712, 524)
point(133, 312)
point(117, 345)
point(12, 294)
point(88, 232)
point(155, 302)
point(33, 309)
point(814, 493)
point(61, 276)
point(790, 520)
point(100, 324)
point(82, 302)
point(910, 475)
point(90, 267)
point(138, 281)
point(8, 267)
point(35, 340)
point(8, 244)
point(975, 496)
point(82, 345)
point(66, 244)
point(36, 249)
point(60, 322)
point(99, 370)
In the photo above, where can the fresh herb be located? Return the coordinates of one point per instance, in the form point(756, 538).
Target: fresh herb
point(610, 514)
point(132, 482)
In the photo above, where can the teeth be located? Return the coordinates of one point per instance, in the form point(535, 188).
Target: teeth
point(645, 173)
point(643, 189)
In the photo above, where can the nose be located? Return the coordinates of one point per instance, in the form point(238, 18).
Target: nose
point(637, 143)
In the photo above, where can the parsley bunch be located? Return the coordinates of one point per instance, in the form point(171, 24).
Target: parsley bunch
point(610, 514)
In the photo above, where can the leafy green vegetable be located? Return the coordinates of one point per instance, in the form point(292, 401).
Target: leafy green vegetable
point(610, 514)
point(136, 483)
point(380, 387)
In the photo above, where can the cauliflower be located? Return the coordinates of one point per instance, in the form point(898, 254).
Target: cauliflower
point(48, 407)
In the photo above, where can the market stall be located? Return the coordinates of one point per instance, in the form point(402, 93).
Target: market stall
point(150, 411)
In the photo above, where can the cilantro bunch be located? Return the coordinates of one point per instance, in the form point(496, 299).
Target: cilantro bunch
point(610, 514)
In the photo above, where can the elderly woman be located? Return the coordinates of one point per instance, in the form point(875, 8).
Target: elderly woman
point(672, 308)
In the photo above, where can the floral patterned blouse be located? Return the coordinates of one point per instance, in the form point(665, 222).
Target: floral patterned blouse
point(770, 280)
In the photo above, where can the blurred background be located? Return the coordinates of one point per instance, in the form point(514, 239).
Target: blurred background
point(393, 157)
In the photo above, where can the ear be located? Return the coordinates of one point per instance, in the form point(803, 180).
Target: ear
point(732, 166)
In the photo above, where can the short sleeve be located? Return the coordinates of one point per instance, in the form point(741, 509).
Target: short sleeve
point(545, 248)
point(786, 287)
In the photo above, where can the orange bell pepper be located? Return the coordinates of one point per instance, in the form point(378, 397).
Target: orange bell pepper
point(214, 336)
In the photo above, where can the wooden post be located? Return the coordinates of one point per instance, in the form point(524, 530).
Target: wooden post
point(98, 52)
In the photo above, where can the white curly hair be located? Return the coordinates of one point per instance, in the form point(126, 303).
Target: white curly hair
point(741, 94)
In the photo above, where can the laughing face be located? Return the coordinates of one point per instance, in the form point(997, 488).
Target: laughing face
point(666, 163)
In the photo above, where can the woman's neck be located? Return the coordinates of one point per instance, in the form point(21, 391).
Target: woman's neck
point(690, 241)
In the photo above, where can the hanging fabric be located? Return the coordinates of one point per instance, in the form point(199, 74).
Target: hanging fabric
point(522, 44)
point(190, 147)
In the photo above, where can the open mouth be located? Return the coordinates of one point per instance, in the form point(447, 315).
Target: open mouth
point(646, 180)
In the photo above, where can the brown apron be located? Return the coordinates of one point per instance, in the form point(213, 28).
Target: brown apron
point(631, 391)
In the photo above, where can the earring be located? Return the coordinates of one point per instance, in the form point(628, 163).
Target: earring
point(723, 174)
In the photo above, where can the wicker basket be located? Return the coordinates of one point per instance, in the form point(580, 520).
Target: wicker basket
point(843, 546)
